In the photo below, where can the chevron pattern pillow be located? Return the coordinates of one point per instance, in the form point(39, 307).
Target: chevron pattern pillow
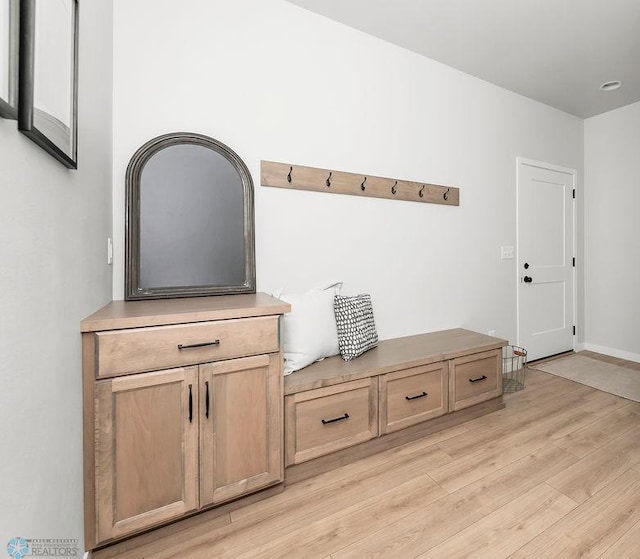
point(355, 324)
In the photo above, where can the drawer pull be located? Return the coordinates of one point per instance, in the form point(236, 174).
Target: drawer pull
point(195, 346)
point(416, 396)
point(206, 399)
point(341, 418)
point(190, 405)
point(483, 377)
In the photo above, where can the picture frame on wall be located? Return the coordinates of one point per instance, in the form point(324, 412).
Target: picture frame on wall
point(48, 77)
point(9, 58)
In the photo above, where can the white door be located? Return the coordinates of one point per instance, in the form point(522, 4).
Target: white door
point(545, 258)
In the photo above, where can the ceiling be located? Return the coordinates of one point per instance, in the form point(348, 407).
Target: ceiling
point(557, 52)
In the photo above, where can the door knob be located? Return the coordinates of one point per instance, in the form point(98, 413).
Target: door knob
point(526, 265)
point(528, 279)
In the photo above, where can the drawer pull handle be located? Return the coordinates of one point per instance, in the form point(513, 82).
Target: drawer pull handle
point(416, 396)
point(206, 399)
point(190, 405)
point(341, 418)
point(195, 346)
point(483, 377)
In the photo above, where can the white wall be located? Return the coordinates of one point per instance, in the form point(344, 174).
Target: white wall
point(612, 232)
point(276, 82)
point(54, 223)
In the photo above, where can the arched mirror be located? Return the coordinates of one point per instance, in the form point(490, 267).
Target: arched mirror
point(189, 222)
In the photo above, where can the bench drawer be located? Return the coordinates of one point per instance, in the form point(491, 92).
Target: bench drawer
point(325, 420)
point(475, 378)
point(412, 396)
point(137, 350)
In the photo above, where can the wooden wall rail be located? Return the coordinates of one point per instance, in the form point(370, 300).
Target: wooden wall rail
point(285, 175)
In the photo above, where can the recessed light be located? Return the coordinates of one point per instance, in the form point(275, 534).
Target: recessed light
point(610, 86)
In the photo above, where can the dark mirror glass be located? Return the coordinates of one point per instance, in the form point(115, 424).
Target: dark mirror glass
point(189, 220)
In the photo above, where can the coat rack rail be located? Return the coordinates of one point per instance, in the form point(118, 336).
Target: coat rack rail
point(299, 177)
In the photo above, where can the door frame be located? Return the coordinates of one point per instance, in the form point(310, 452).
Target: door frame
point(574, 174)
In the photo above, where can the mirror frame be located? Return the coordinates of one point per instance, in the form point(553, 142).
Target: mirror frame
point(133, 290)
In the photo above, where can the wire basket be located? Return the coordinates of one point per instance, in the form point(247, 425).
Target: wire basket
point(514, 363)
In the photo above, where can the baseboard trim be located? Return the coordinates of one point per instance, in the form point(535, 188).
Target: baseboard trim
point(612, 352)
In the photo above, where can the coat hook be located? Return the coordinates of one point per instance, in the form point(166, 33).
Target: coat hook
point(394, 188)
point(446, 194)
point(289, 175)
point(362, 187)
point(421, 193)
point(329, 179)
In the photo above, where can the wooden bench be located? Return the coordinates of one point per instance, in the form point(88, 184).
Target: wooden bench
point(338, 411)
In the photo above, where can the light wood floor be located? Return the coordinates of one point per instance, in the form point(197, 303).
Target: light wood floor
point(555, 474)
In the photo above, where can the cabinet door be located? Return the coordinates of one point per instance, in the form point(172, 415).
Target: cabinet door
point(146, 450)
point(241, 433)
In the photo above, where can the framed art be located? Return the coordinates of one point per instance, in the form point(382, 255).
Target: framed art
point(48, 77)
point(8, 58)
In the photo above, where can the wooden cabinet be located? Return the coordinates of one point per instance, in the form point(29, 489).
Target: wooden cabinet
point(475, 378)
point(410, 396)
point(403, 382)
point(183, 409)
point(329, 419)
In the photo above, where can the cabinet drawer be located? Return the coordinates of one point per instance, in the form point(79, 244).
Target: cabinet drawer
point(327, 419)
point(148, 349)
point(475, 378)
point(412, 395)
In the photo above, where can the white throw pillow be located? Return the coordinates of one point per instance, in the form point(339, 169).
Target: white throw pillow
point(309, 329)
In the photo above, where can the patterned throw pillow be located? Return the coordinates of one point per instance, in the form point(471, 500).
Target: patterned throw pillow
point(356, 328)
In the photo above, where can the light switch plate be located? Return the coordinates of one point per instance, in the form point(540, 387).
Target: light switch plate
point(506, 253)
point(109, 251)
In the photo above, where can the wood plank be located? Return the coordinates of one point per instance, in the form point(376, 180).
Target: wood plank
point(593, 527)
point(599, 468)
point(424, 450)
point(351, 523)
point(231, 541)
point(507, 529)
point(600, 431)
point(134, 314)
point(502, 450)
point(182, 531)
point(441, 520)
point(341, 479)
point(508, 422)
point(300, 177)
point(88, 439)
point(392, 355)
point(627, 546)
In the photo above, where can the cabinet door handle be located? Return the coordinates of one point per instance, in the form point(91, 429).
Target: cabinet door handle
point(416, 396)
point(190, 405)
point(341, 418)
point(483, 377)
point(206, 399)
point(196, 346)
